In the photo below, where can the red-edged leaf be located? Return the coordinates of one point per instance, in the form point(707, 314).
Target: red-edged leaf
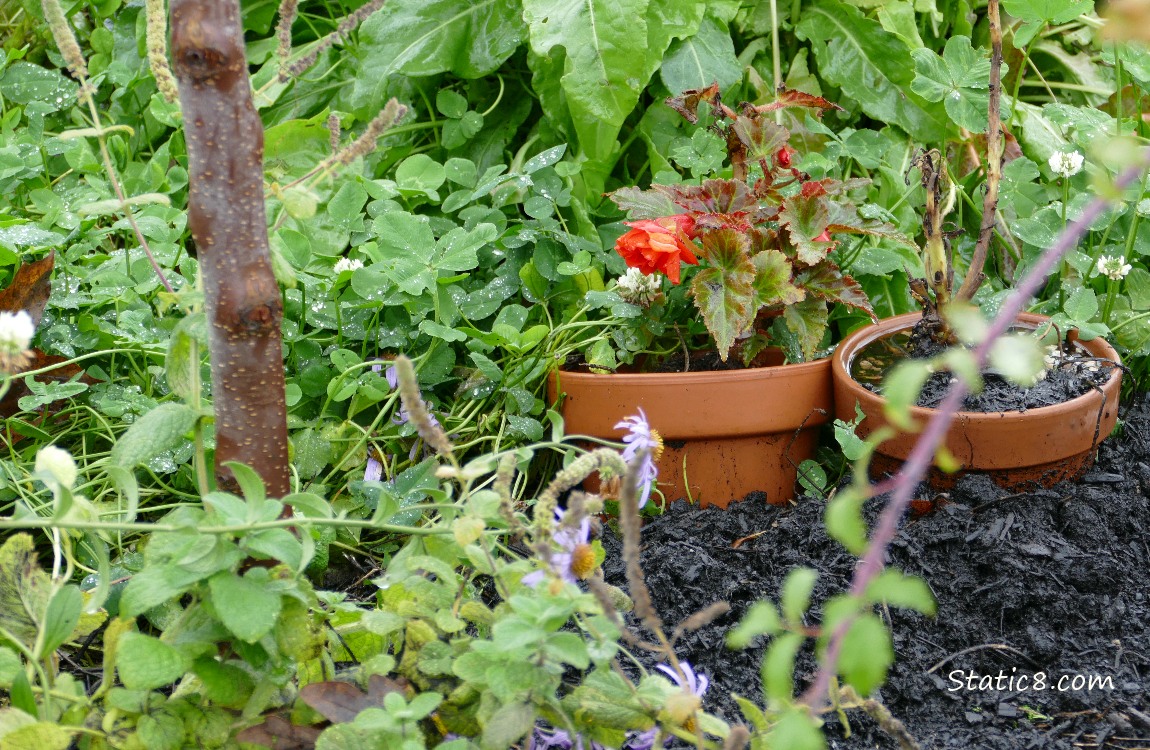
point(827, 281)
point(687, 103)
point(712, 197)
point(761, 137)
point(772, 282)
point(724, 291)
point(30, 289)
point(790, 98)
point(808, 321)
point(806, 218)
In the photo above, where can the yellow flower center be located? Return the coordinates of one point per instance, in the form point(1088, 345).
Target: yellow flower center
point(657, 453)
point(582, 561)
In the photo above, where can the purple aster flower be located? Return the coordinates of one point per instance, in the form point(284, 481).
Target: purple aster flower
point(694, 683)
point(575, 559)
point(640, 437)
point(374, 470)
point(544, 738)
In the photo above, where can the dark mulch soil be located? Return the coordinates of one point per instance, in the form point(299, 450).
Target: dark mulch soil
point(1074, 377)
point(1054, 581)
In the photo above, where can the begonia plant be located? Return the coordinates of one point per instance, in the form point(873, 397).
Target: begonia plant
point(751, 247)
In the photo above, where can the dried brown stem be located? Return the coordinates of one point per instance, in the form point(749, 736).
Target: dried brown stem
point(994, 153)
point(228, 220)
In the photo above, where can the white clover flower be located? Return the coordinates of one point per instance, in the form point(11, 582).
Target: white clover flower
point(57, 463)
point(1065, 163)
point(347, 264)
point(1114, 267)
point(638, 288)
point(16, 331)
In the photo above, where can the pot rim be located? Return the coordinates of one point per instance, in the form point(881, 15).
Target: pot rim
point(846, 350)
point(700, 377)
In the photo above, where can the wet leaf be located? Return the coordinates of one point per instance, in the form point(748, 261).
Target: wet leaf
point(278, 733)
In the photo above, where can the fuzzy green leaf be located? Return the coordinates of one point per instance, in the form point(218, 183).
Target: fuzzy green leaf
point(761, 619)
point(896, 588)
point(147, 663)
point(245, 605)
point(159, 430)
point(723, 291)
point(796, 596)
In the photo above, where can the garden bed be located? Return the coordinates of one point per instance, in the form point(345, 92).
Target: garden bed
point(1054, 581)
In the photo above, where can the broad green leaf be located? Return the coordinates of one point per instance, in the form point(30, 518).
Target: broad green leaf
point(807, 320)
point(761, 619)
point(778, 668)
point(245, 605)
point(1082, 305)
point(155, 585)
point(61, 618)
point(426, 37)
point(796, 730)
point(227, 685)
point(723, 291)
point(898, 17)
point(604, 48)
point(1047, 11)
point(159, 430)
point(147, 663)
point(1138, 287)
point(960, 79)
point(827, 281)
point(644, 204)
point(25, 82)
point(312, 452)
point(772, 282)
point(702, 59)
point(1018, 358)
point(10, 666)
point(507, 726)
point(894, 587)
point(901, 387)
point(796, 596)
point(20, 731)
point(844, 521)
point(872, 66)
point(420, 174)
point(866, 655)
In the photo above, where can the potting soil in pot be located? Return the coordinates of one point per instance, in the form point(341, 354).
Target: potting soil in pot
point(1053, 583)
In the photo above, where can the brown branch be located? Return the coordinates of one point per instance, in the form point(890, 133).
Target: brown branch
point(994, 153)
point(228, 220)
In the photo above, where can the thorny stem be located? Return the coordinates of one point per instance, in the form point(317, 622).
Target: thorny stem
point(994, 153)
point(916, 465)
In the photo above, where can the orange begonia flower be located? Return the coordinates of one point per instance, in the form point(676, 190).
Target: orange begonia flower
point(659, 245)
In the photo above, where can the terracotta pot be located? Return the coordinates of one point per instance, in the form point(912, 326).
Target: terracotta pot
point(728, 432)
point(1019, 450)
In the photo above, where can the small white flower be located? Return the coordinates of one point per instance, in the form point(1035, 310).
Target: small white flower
point(638, 288)
point(347, 264)
point(16, 331)
point(1114, 267)
point(1065, 163)
point(57, 463)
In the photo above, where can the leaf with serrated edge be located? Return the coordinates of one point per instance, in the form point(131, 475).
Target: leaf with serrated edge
point(808, 321)
point(805, 219)
point(772, 282)
point(723, 292)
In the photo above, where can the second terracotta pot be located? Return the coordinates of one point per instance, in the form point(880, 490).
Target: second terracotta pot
point(726, 433)
point(1019, 450)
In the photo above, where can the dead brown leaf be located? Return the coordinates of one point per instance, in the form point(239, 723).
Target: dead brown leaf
point(30, 289)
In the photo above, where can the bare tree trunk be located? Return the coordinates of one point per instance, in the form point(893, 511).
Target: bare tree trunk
point(226, 213)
